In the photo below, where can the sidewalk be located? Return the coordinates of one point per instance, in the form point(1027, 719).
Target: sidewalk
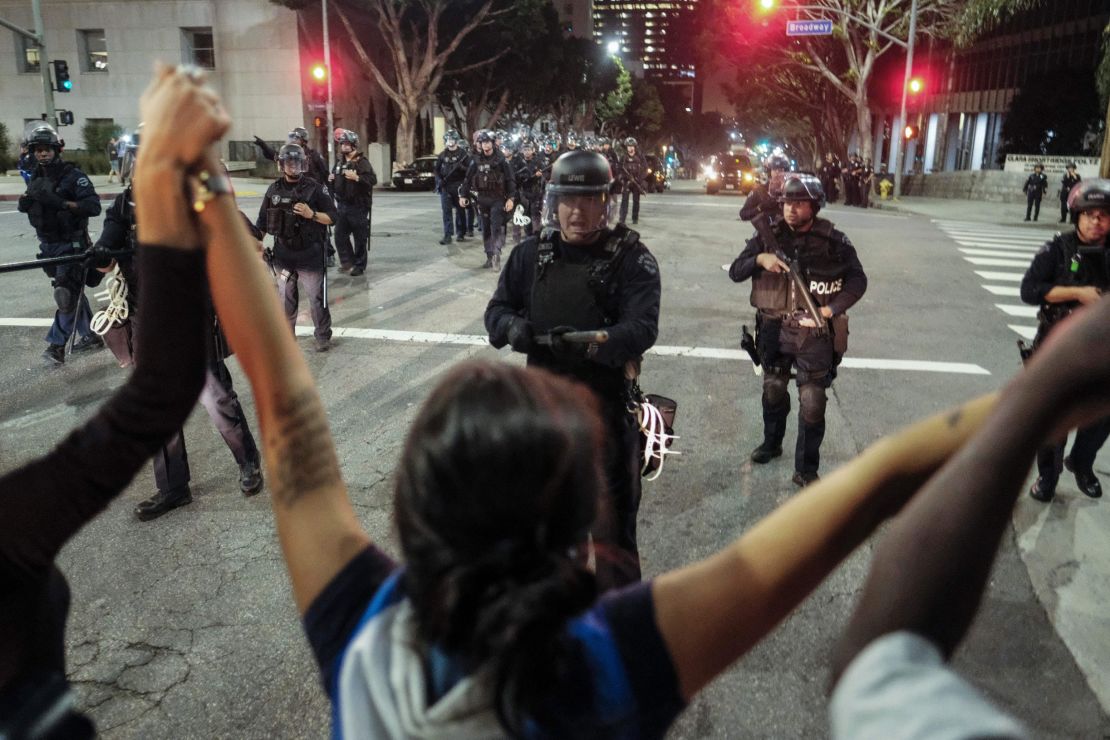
point(951, 209)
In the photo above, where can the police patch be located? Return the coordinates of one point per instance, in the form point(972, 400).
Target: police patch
point(648, 264)
point(275, 199)
point(84, 182)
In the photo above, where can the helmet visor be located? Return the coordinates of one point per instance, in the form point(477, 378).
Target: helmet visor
point(578, 216)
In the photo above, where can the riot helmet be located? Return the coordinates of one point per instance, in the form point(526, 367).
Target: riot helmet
point(778, 162)
point(631, 141)
point(44, 135)
point(292, 161)
point(527, 143)
point(578, 201)
point(299, 132)
point(572, 139)
point(483, 135)
point(797, 187)
point(1088, 195)
point(451, 138)
point(603, 142)
point(348, 137)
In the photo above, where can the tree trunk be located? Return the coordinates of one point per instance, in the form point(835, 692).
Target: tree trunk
point(406, 134)
point(863, 126)
point(1104, 167)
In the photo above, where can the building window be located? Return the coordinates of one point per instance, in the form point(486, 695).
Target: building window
point(93, 46)
point(27, 54)
point(198, 47)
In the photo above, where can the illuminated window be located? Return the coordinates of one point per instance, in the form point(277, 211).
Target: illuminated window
point(94, 50)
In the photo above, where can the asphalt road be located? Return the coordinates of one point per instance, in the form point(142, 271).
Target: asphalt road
point(184, 627)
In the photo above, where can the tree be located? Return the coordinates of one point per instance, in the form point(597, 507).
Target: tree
point(847, 60)
point(614, 103)
point(1033, 124)
point(418, 43)
point(5, 147)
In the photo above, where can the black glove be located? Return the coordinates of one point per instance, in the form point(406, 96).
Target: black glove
point(99, 257)
point(42, 190)
point(564, 349)
point(520, 334)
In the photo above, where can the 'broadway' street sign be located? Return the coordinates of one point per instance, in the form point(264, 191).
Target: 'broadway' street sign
point(809, 28)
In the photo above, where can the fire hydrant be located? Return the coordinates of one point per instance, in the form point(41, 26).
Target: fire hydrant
point(885, 186)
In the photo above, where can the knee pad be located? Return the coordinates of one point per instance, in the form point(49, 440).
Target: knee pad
point(812, 399)
point(65, 297)
point(774, 389)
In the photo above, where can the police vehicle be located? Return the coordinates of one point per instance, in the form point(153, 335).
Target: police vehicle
point(730, 171)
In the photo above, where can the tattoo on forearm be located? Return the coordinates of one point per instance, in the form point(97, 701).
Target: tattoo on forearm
point(301, 448)
point(954, 418)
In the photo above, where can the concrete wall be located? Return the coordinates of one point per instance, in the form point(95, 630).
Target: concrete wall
point(990, 185)
point(257, 61)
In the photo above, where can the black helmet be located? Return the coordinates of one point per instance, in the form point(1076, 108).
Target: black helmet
point(483, 135)
point(778, 162)
point(1072, 165)
point(803, 187)
point(631, 141)
point(295, 154)
point(1089, 194)
point(579, 172)
point(528, 143)
point(451, 135)
point(42, 134)
point(300, 132)
point(349, 137)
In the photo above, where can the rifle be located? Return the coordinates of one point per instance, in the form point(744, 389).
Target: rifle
point(576, 337)
point(630, 179)
point(794, 270)
point(67, 259)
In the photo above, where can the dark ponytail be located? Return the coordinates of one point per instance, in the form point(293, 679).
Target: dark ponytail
point(495, 493)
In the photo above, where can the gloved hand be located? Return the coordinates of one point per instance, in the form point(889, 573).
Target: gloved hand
point(520, 334)
point(564, 349)
point(99, 257)
point(42, 190)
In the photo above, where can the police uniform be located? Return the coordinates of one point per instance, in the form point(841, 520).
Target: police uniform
point(1034, 188)
point(490, 180)
point(1067, 182)
point(613, 285)
point(354, 199)
point(866, 173)
point(632, 169)
point(529, 187)
point(171, 462)
point(1066, 261)
point(451, 167)
point(62, 231)
point(299, 247)
point(835, 277)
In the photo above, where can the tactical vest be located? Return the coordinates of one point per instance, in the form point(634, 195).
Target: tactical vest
point(1080, 265)
point(490, 177)
point(823, 268)
point(285, 225)
point(582, 295)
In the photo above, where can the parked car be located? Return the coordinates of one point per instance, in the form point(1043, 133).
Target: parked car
point(420, 175)
point(730, 171)
point(656, 181)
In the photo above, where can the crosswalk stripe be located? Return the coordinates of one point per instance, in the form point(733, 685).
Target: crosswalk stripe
point(994, 253)
point(992, 241)
point(1009, 276)
point(1030, 248)
point(1026, 332)
point(993, 262)
point(1027, 312)
point(1011, 291)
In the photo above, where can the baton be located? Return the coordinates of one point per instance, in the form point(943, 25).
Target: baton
point(575, 337)
point(66, 259)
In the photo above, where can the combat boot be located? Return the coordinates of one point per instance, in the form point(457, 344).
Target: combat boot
point(55, 354)
point(163, 502)
point(1042, 492)
point(802, 480)
point(88, 342)
point(489, 263)
point(445, 240)
point(250, 477)
point(1085, 479)
point(765, 453)
point(497, 262)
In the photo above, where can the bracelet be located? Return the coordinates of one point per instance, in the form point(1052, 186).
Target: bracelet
point(312, 217)
point(207, 186)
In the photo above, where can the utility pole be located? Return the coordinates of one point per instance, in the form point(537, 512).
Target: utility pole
point(330, 107)
point(900, 155)
point(38, 38)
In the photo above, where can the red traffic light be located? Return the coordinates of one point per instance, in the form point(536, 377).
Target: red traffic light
point(916, 86)
point(319, 72)
point(318, 121)
point(910, 132)
point(766, 6)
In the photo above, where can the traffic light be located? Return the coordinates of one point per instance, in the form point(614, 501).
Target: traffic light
point(65, 118)
point(62, 83)
point(916, 86)
point(911, 132)
point(318, 121)
point(318, 83)
point(319, 73)
point(765, 6)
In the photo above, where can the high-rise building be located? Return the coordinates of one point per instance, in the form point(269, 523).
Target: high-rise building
point(576, 16)
point(658, 35)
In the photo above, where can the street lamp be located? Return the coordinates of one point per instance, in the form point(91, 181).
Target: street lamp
point(613, 47)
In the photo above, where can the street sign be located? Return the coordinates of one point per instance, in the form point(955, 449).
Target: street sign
point(316, 107)
point(809, 28)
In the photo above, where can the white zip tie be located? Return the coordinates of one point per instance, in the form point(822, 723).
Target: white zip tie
point(656, 446)
point(115, 295)
point(519, 219)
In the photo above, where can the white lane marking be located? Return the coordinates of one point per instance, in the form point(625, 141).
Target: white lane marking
point(1010, 291)
point(995, 234)
point(26, 322)
point(999, 245)
point(7, 213)
point(988, 275)
point(1026, 312)
point(994, 253)
point(991, 262)
point(1027, 332)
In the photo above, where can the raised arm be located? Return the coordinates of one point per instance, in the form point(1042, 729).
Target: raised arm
point(318, 529)
point(714, 611)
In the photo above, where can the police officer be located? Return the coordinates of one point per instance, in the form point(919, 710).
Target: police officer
point(581, 273)
point(610, 155)
point(787, 335)
point(171, 462)
point(490, 179)
point(866, 178)
point(830, 177)
point(317, 168)
point(572, 140)
point(296, 211)
point(528, 169)
point(1070, 180)
point(353, 183)
point(851, 184)
point(764, 199)
point(632, 169)
point(1034, 188)
point(1068, 272)
point(59, 201)
point(450, 171)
